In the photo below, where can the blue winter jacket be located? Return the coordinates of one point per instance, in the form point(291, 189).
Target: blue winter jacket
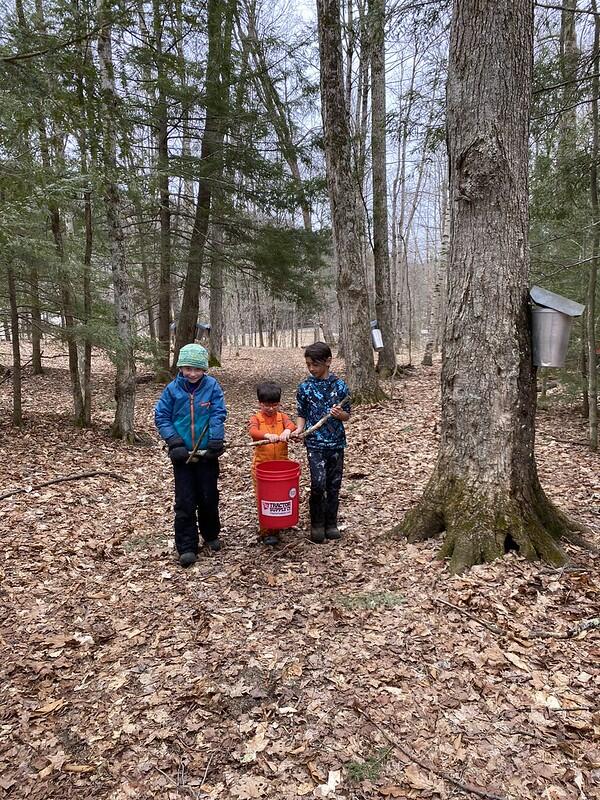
point(184, 408)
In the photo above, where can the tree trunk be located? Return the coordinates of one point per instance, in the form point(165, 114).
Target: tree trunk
point(88, 145)
point(440, 289)
point(36, 324)
point(386, 362)
point(64, 277)
point(485, 492)
point(568, 153)
point(147, 293)
point(17, 414)
point(352, 291)
point(593, 270)
point(259, 320)
point(123, 425)
point(220, 20)
point(87, 308)
point(215, 345)
point(162, 141)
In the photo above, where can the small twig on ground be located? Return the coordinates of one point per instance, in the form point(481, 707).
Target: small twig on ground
point(77, 477)
point(562, 441)
point(206, 770)
point(489, 625)
point(176, 783)
point(584, 625)
point(281, 551)
point(465, 787)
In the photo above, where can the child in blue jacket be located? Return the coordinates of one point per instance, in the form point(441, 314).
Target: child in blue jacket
point(191, 411)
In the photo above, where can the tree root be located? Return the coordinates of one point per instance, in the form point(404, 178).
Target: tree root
point(480, 528)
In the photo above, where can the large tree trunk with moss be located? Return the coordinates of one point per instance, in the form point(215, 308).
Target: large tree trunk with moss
point(485, 491)
point(351, 285)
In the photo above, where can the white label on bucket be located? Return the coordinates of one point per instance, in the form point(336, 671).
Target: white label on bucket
point(269, 508)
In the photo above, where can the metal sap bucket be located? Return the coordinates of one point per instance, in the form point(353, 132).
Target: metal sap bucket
point(551, 331)
point(551, 319)
point(376, 337)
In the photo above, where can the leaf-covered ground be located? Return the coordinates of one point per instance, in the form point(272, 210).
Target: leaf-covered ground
point(341, 670)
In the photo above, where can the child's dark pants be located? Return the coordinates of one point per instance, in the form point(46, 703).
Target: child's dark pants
point(326, 470)
point(196, 503)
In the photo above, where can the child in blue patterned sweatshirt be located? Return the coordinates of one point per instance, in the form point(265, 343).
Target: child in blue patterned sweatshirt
point(317, 396)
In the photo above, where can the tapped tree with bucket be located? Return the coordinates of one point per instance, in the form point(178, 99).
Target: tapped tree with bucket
point(484, 492)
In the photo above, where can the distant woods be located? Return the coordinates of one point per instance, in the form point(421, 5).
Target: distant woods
point(166, 162)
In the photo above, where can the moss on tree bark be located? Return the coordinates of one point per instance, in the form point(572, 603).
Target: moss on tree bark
point(480, 527)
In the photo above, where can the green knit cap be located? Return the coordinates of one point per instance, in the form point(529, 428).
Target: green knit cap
point(193, 355)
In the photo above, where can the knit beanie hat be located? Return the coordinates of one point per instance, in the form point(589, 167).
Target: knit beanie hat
point(193, 355)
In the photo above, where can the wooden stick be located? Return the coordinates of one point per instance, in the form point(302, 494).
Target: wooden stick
point(322, 421)
point(62, 480)
point(195, 452)
point(303, 435)
point(584, 625)
point(489, 625)
point(465, 787)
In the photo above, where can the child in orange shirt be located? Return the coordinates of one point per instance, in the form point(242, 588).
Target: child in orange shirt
point(271, 424)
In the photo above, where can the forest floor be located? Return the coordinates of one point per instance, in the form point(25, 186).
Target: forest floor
point(354, 669)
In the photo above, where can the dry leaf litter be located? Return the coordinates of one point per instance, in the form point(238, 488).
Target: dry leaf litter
point(357, 669)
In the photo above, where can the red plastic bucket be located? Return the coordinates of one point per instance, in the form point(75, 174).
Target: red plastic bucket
point(277, 487)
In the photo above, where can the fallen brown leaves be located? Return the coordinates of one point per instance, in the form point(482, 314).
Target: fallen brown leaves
point(126, 677)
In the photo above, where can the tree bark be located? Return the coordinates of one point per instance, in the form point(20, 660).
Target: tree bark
point(386, 362)
point(17, 413)
point(57, 234)
point(220, 20)
point(123, 425)
point(593, 269)
point(162, 141)
point(36, 323)
point(351, 285)
point(215, 345)
point(485, 492)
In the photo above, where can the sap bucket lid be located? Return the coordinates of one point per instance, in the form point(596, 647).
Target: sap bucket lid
point(556, 302)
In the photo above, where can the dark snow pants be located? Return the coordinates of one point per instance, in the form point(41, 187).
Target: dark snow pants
point(196, 503)
point(326, 471)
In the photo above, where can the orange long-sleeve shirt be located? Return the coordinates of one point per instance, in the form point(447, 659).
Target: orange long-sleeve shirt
point(259, 425)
